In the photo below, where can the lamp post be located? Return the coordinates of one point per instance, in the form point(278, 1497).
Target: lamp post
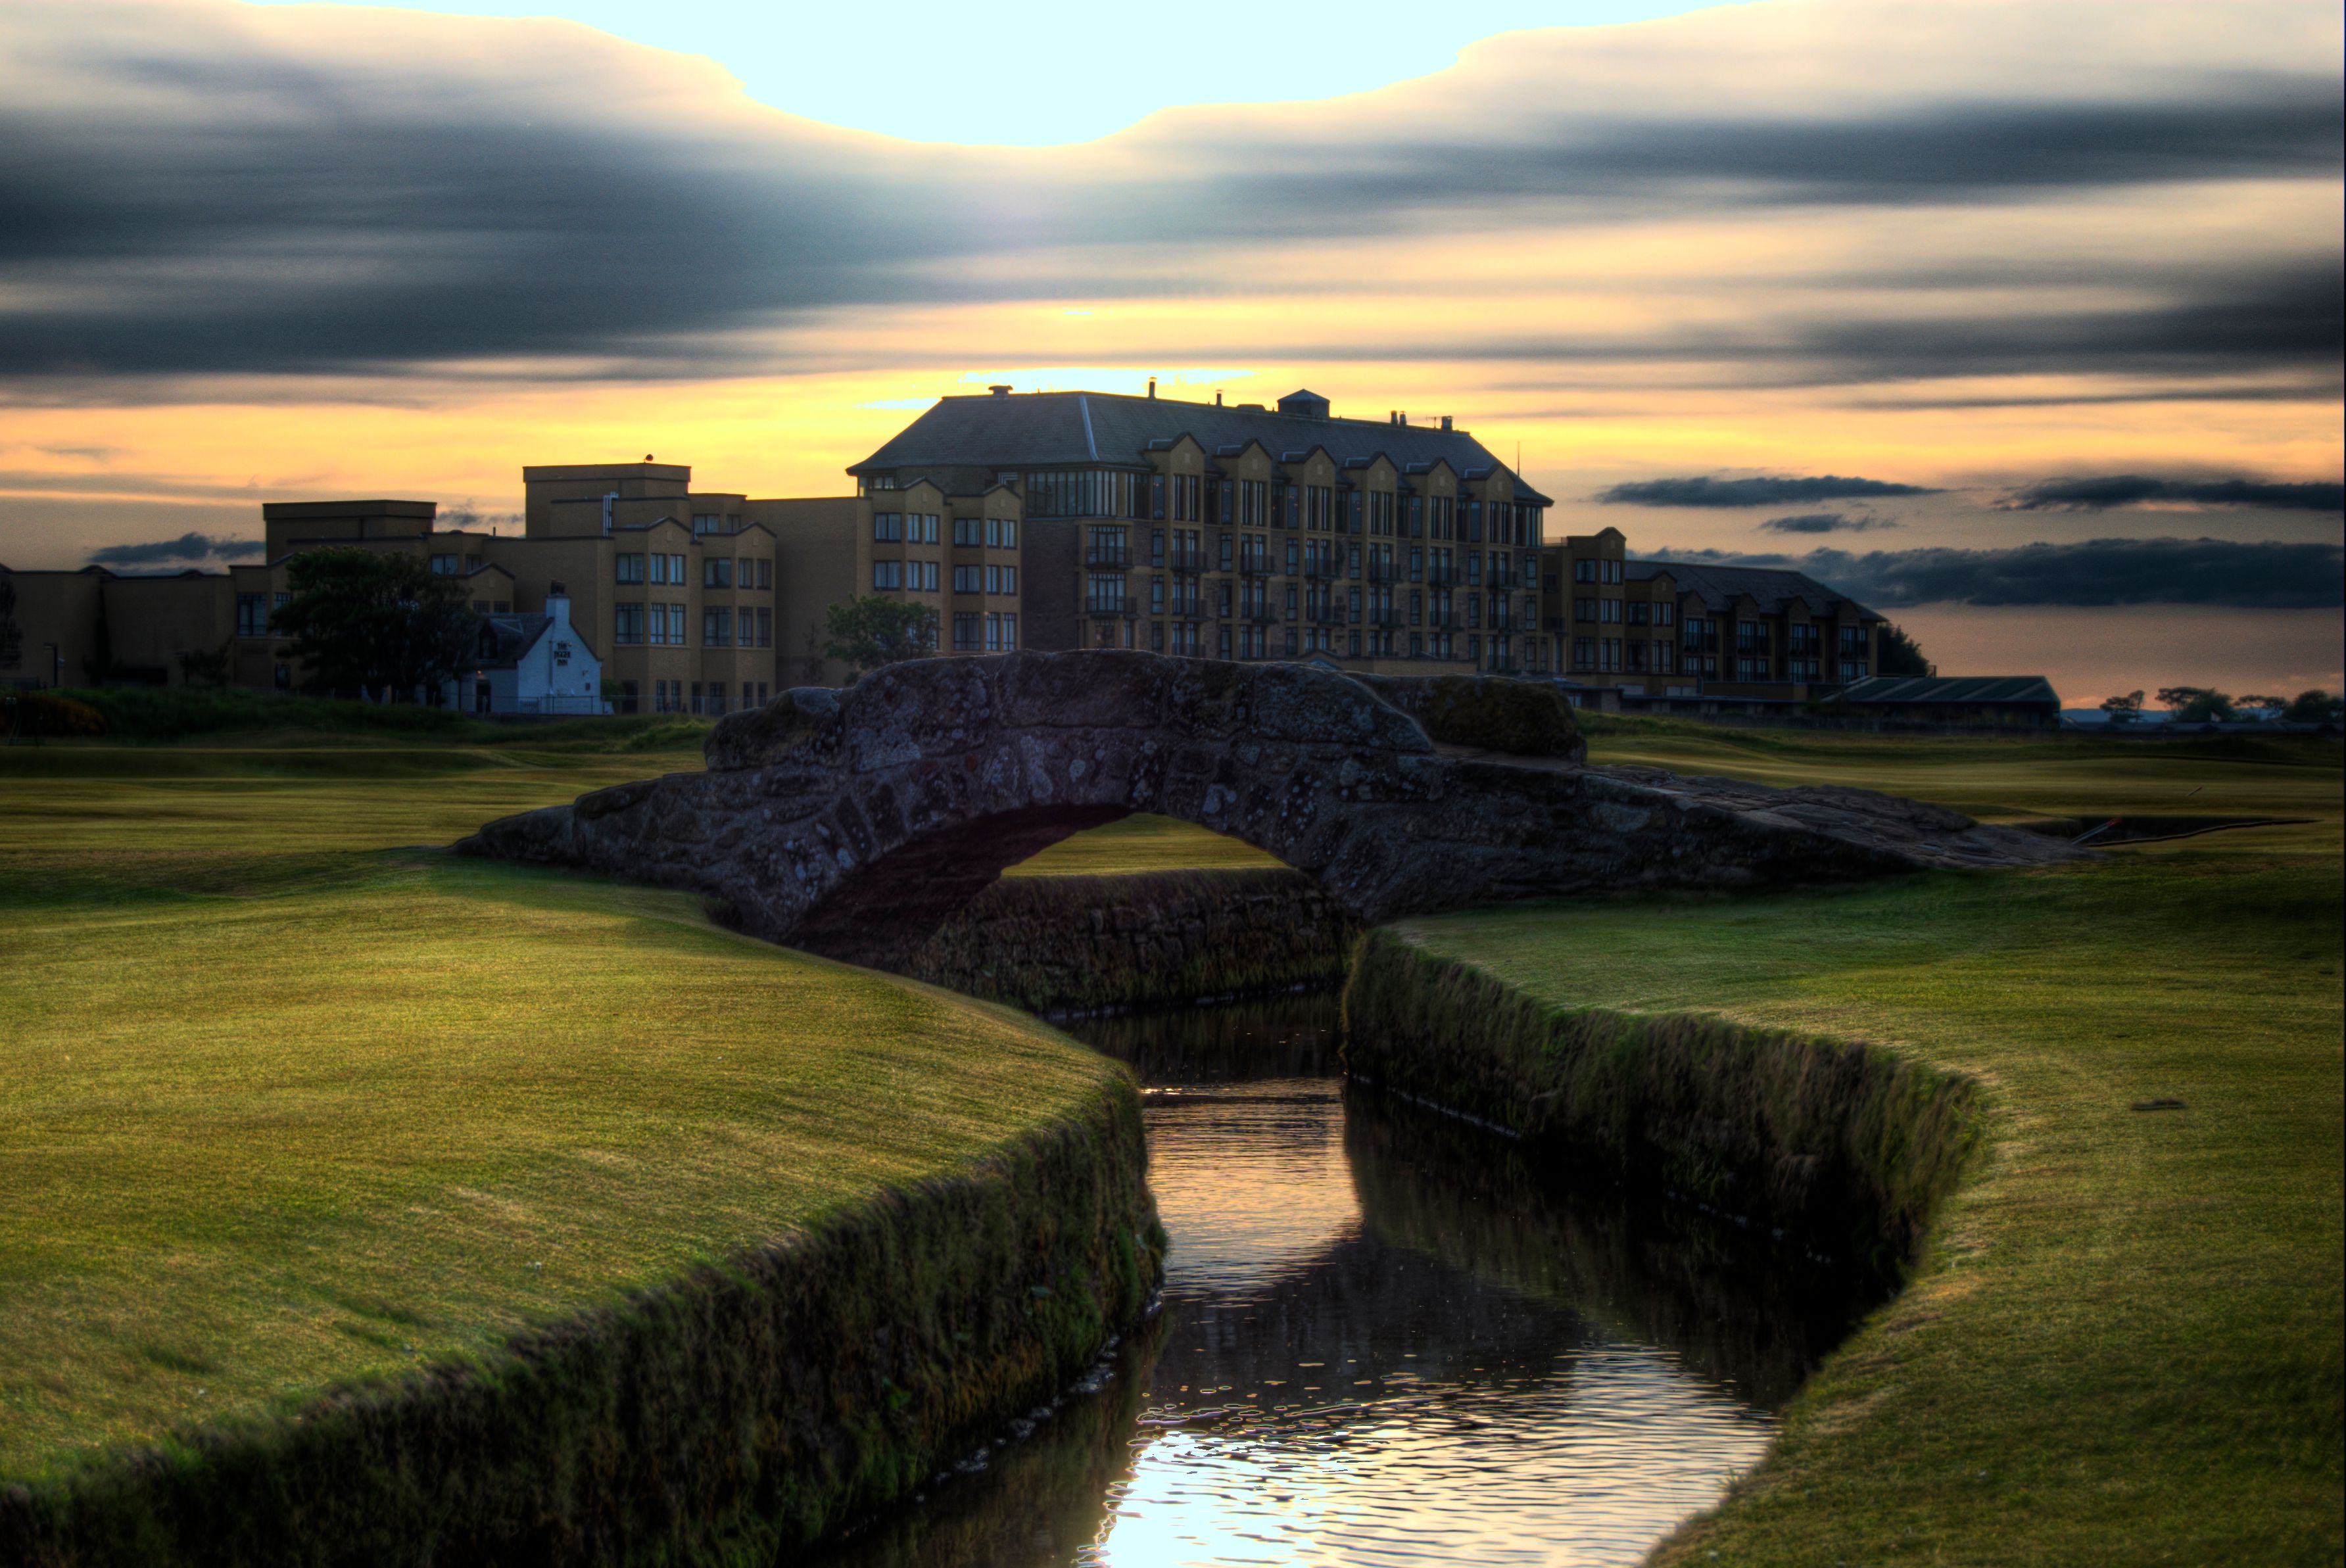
point(57, 666)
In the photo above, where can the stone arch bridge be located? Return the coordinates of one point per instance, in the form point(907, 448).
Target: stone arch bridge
point(855, 823)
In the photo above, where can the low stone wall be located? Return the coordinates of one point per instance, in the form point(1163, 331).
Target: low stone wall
point(1159, 939)
point(1848, 1148)
point(731, 1416)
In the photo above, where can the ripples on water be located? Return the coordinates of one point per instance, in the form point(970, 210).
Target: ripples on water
point(1384, 1339)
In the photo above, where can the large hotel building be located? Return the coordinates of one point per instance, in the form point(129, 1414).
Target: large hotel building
point(1042, 520)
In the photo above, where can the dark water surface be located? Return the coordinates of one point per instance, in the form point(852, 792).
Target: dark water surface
point(1385, 1339)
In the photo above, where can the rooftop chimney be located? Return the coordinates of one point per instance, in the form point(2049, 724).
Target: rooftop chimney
point(1445, 422)
point(1000, 389)
point(1218, 398)
point(1152, 387)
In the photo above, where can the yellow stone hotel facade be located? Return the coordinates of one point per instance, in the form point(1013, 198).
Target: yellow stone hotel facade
point(1044, 520)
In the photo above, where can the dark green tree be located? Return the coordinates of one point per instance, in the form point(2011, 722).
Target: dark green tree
point(2195, 704)
point(1900, 654)
point(362, 620)
point(2123, 709)
point(2314, 708)
point(871, 630)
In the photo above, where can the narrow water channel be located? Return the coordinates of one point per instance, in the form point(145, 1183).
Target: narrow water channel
point(1384, 1339)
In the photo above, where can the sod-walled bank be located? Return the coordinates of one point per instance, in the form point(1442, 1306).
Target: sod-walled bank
point(1841, 1146)
point(722, 1418)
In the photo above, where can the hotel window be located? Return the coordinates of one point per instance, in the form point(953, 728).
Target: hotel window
point(1640, 613)
point(887, 575)
point(968, 533)
point(922, 575)
point(1001, 632)
point(628, 698)
point(251, 617)
point(1751, 669)
point(715, 628)
point(628, 625)
point(968, 579)
point(443, 566)
point(1002, 580)
point(1750, 637)
point(716, 699)
point(887, 527)
point(765, 631)
point(1852, 642)
point(965, 628)
point(628, 567)
point(920, 528)
point(1665, 613)
point(708, 523)
point(755, 574)
point(716, 572)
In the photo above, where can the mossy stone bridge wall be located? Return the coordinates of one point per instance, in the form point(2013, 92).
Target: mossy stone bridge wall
point(857, 822)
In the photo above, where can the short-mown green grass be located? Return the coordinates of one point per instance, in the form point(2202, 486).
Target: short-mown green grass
point(2125, 1343)
point(283, 1107)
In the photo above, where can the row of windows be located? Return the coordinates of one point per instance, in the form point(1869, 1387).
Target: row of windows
point(1003, 580)
point(988, 632)
point(670, 697)
point(1498, 653)
point(897, 577)
point(1105, 595)
point(904, 527)
point(252, 612)
point(716, 571)
point(1597, 571)
point(666, 571)
point(1615, 612)
point(985, 532)
point(664, 625)
point(1260, 504)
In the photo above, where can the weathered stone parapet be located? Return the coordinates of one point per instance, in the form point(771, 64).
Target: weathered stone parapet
point(854, 823)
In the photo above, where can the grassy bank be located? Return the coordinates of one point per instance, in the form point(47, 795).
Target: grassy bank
point(489, 1198)
point(2122, 1342)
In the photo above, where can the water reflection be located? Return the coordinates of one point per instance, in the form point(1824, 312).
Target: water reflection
point(1384, 1339)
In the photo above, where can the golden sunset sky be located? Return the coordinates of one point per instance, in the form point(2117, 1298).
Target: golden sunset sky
point(2020, 320)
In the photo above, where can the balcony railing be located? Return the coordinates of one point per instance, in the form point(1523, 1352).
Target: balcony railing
point(1386, 618)
point(1261, 615)
point(1188, 561)
point(1321, 568)
point(1442, 574)
point(1186, 609)
point(1381, 571)
point(1254, 564)
point(1107, 557)
point(1110, 605)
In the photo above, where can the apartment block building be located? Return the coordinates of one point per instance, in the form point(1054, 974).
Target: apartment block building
point(1079, 519)
point(1678, 629)
point(675, 591)
point(1041, 520)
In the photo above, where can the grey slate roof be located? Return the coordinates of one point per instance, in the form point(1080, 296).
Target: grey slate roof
point(1720, 587)
point(1051, 429)
point(1965, 688)
point(505, 639)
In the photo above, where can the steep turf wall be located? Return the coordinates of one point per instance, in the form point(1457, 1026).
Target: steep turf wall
point(1065, 944)
point(725, 1418)
point(1849, 1146)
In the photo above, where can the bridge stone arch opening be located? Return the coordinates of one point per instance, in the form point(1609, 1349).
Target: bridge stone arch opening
point(855, 823)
